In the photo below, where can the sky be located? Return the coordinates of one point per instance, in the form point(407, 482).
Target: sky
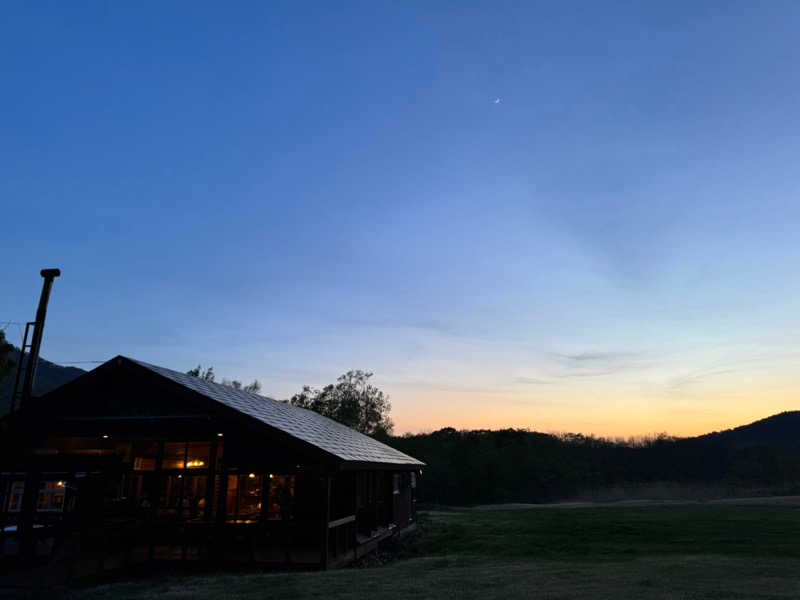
point(565, 216)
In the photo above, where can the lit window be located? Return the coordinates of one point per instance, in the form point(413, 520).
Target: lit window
point(244, 497)
point(145, 456)
point(171, 494)
point(194, 496)
point(281, 496)
point(15, 496)
point(174, 455)
point(233, 496)
point(51, 496)
point(198, 455)
point(183, 455)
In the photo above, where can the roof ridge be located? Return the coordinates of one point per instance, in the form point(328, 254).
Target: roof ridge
point(205, 381)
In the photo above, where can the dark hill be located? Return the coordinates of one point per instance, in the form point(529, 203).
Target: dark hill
point(782, 429)
point(48, 376)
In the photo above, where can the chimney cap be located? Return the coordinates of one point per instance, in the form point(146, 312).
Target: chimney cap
point(50, 272)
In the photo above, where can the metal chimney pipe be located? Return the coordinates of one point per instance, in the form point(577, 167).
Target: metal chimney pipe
point(38, 330)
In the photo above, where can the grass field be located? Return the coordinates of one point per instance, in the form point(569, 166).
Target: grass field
point(696, 551)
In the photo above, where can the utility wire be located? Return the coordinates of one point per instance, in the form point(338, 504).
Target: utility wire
point(77, 362)
point(4, 325)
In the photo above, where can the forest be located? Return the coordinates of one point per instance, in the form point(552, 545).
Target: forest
point(517, 465)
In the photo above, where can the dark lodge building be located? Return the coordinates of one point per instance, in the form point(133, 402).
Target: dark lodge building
point(132, 463)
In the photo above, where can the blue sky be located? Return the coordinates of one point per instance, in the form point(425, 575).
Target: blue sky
point(291, 190)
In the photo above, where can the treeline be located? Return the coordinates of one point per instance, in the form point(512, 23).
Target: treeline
point(513, 465)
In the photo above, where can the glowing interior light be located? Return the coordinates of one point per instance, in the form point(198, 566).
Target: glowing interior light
point(219, 435)
point(252, 476)
point(271, 475)
point(60, 484)
point(195, 463)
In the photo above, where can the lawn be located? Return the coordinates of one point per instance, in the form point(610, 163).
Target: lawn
point(606, 533)
point(697, 551)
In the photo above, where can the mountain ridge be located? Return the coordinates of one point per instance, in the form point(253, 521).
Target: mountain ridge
point(49, 376)
point(780, 429)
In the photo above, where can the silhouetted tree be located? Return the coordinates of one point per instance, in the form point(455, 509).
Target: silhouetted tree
point(6, 364)
point(208, 375)
point(253, 388)
point(352, 401)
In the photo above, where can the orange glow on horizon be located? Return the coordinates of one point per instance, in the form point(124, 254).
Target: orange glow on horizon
point(607, 418)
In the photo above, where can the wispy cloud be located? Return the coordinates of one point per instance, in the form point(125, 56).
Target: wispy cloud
point(532, 381)
point(625, 242)
point(742, 361)
point(442, 327)
point(597, 364)
point(591, 373)
point(597, 357)
point(681, 382)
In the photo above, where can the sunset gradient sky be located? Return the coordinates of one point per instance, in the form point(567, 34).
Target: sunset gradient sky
point(286, 191)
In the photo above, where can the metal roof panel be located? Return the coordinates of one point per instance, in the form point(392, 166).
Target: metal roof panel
point(343, 442)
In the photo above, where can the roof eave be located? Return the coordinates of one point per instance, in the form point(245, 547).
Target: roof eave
point(360, 465)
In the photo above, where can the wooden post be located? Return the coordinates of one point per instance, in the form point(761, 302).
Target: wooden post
point(326, 518)
point(220, 541)
point(376, 492)
point(27, 514)
point(210, 482)
point(222, 497)
point(355, 512)
point(156, 501)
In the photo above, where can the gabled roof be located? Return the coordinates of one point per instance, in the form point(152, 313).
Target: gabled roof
point(334, 438)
